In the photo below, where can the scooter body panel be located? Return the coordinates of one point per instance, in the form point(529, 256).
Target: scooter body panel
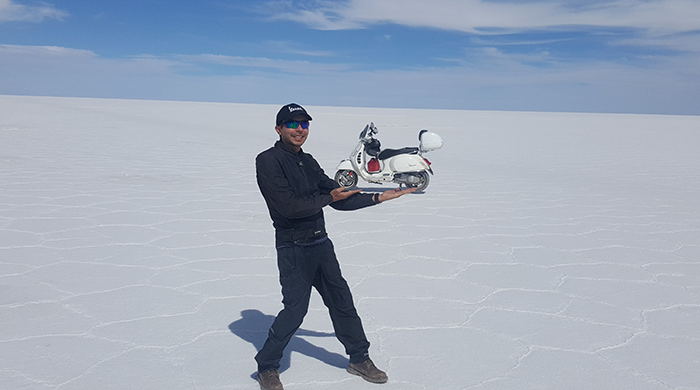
point(406, 163)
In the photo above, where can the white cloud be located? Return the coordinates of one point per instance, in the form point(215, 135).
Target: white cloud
point(15, 57)
point(13, 12)
point(293, 66)
point(689, 42)
point(44, 51)
point(291, 47)
point(61, 71)
point(492, 79)
point(482, 16)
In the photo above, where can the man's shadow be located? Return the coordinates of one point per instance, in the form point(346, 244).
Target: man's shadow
point(254, 325)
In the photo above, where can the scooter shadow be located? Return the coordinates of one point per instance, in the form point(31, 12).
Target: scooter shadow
point(381, 189)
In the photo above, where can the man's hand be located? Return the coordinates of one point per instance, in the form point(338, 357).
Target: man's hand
point(340, 193)
point(395, 193)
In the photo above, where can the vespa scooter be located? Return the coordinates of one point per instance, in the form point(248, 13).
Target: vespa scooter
point(405, 166)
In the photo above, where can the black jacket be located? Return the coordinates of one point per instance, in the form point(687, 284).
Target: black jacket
point(296, 190)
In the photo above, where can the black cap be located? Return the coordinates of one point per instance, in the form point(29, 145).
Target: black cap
point(291, 111)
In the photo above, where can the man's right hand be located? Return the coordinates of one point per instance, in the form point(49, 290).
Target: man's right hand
point(341, 193)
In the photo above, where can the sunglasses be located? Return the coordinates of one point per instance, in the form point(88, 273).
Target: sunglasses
point(294, 124)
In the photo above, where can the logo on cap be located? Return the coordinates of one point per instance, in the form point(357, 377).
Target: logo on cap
point(289, 111)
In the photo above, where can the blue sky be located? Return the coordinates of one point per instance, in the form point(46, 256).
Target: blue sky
point(627, 56)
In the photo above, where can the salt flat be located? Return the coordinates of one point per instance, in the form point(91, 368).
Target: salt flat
point(551, 250)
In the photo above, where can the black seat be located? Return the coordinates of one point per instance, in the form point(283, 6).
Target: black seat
point(388, 153)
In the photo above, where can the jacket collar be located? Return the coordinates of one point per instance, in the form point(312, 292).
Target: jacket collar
point(281, 145)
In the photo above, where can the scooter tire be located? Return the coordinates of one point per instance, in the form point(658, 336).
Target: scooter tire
point(346, 178)
point(423, 183)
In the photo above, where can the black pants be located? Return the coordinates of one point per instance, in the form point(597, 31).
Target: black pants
point(302, 266)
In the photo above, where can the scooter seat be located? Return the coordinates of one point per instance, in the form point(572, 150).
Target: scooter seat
point(388, 153)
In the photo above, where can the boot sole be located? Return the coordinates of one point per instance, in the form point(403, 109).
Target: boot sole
point(262, 387)
point(365, 377)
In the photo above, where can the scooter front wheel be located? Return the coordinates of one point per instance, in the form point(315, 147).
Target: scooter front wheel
point(346, 178)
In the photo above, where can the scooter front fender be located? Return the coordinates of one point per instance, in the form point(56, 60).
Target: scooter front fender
point(345, 165)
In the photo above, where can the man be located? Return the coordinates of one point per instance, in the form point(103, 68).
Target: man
point(296, 189)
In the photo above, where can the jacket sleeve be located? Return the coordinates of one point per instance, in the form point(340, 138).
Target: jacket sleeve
point(355, 202)
point(279, 195)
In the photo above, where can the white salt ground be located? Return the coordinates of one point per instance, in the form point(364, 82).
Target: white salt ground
point(550, 251)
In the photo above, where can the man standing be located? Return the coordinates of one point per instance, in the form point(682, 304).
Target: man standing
point(296, 189)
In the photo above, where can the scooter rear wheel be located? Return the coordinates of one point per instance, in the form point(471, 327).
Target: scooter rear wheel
point(346, 178)
point(422, 182)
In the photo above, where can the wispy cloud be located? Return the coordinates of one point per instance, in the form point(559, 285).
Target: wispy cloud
point(47, 66)
point(492, 80)
point(684, 42)
point(44, 51)
point(515, 42)
point(293, 66)
point(482, 16)
point(661, 27)
point(290, 47)
point(13, 12)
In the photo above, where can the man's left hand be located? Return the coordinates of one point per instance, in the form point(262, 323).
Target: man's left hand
point(395, 193)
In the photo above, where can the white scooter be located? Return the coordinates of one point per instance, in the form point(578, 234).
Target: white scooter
point(405, 166)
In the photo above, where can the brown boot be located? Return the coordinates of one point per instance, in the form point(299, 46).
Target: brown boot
point(368, 371)
point(270, 380)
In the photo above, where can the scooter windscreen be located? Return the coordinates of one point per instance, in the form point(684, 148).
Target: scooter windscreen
point(364, 132)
